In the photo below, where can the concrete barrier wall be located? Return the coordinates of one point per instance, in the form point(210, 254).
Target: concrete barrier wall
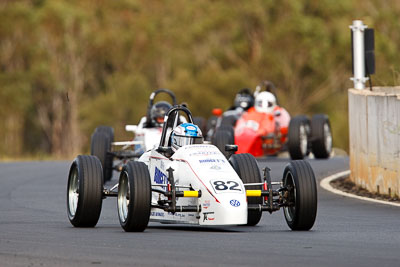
point(374, 122)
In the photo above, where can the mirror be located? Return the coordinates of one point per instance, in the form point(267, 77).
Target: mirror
point(130, 128)
point(231, 148)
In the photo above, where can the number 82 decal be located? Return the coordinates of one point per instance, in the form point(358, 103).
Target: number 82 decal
point(226, 186)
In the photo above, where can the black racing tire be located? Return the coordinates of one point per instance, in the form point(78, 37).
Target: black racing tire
point(299, 132)
point(210, 128)
point(321, 145)
point(101, 141)
point(229, 120)
point(211, 123)
point(246, 167)
point(134, 197)
point(300, 215)
point(201, 122)
point(108, 130)
point(85, 191)
point(224, 136)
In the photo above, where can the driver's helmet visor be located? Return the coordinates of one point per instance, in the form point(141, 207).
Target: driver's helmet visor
point(264, 104)
point(182, 140)
point(160, 119)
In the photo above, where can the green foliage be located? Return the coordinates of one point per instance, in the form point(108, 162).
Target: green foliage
point(69, 66)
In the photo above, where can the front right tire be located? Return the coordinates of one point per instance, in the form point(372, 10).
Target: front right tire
point(301, 195)
point(100, 147)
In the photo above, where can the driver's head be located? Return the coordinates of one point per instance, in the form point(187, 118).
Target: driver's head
point(185, 134)
point(244, 99)
point(265, 102)
point(158, 112)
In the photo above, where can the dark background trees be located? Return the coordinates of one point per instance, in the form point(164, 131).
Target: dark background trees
point(68, 66)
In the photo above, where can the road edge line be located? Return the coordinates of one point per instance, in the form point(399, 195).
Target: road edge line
point(325, 184)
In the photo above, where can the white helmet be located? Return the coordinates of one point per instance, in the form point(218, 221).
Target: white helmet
point(185, 134)
point(265, 102)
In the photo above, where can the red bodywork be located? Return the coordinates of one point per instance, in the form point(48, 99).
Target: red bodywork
point(260, 133)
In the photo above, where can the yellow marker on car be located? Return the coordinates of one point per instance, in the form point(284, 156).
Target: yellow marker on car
point(190, 194)
point(253, 193)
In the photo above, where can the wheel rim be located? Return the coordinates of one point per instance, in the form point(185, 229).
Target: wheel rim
point(290, 211)
point(303, 139)
point(328, 138)
point(123, 197)
point(73, 192)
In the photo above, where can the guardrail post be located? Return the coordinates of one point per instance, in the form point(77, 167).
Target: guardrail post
point(359, 78)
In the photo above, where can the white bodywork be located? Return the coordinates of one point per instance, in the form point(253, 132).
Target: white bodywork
point(145, 138)
point(199, 167)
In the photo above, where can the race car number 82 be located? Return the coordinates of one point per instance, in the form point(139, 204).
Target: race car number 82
point(221, 186)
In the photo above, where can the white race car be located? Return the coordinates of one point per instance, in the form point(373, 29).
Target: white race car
point(186, 181)
point(146, 136)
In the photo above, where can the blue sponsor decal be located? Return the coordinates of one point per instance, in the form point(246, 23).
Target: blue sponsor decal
point(159, 214)
point(180, 215)
point(211, 160)
point(160, 177)
point(234, 203)
point(204, 153)
point(207, 160)
point(206, 204)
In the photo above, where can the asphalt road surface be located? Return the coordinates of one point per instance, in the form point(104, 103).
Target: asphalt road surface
point(35, 231)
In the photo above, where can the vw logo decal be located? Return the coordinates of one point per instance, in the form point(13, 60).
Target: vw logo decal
point(215, 167)
point(234, 203)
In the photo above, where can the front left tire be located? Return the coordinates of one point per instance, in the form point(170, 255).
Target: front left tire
point(224, 136)
point(134, 197)
point(321, 135)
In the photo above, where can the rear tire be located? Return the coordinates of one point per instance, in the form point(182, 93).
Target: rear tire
point(322, 136)
point(224, 136)
point(299, 177)
point(210, 128)
point(101, 141)
point(134, 197)
point(246, 167)
point(85, 191)
point(299, 131)
point(211, 122)
point(229, 120)
point(201, 122)
point(109, 131)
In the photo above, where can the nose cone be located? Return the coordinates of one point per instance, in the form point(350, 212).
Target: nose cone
point(249, 142)
point(232, 210)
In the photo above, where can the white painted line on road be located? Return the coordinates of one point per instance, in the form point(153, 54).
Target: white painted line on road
point(325, 184)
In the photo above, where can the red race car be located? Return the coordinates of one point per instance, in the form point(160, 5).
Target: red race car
point(267, 129)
